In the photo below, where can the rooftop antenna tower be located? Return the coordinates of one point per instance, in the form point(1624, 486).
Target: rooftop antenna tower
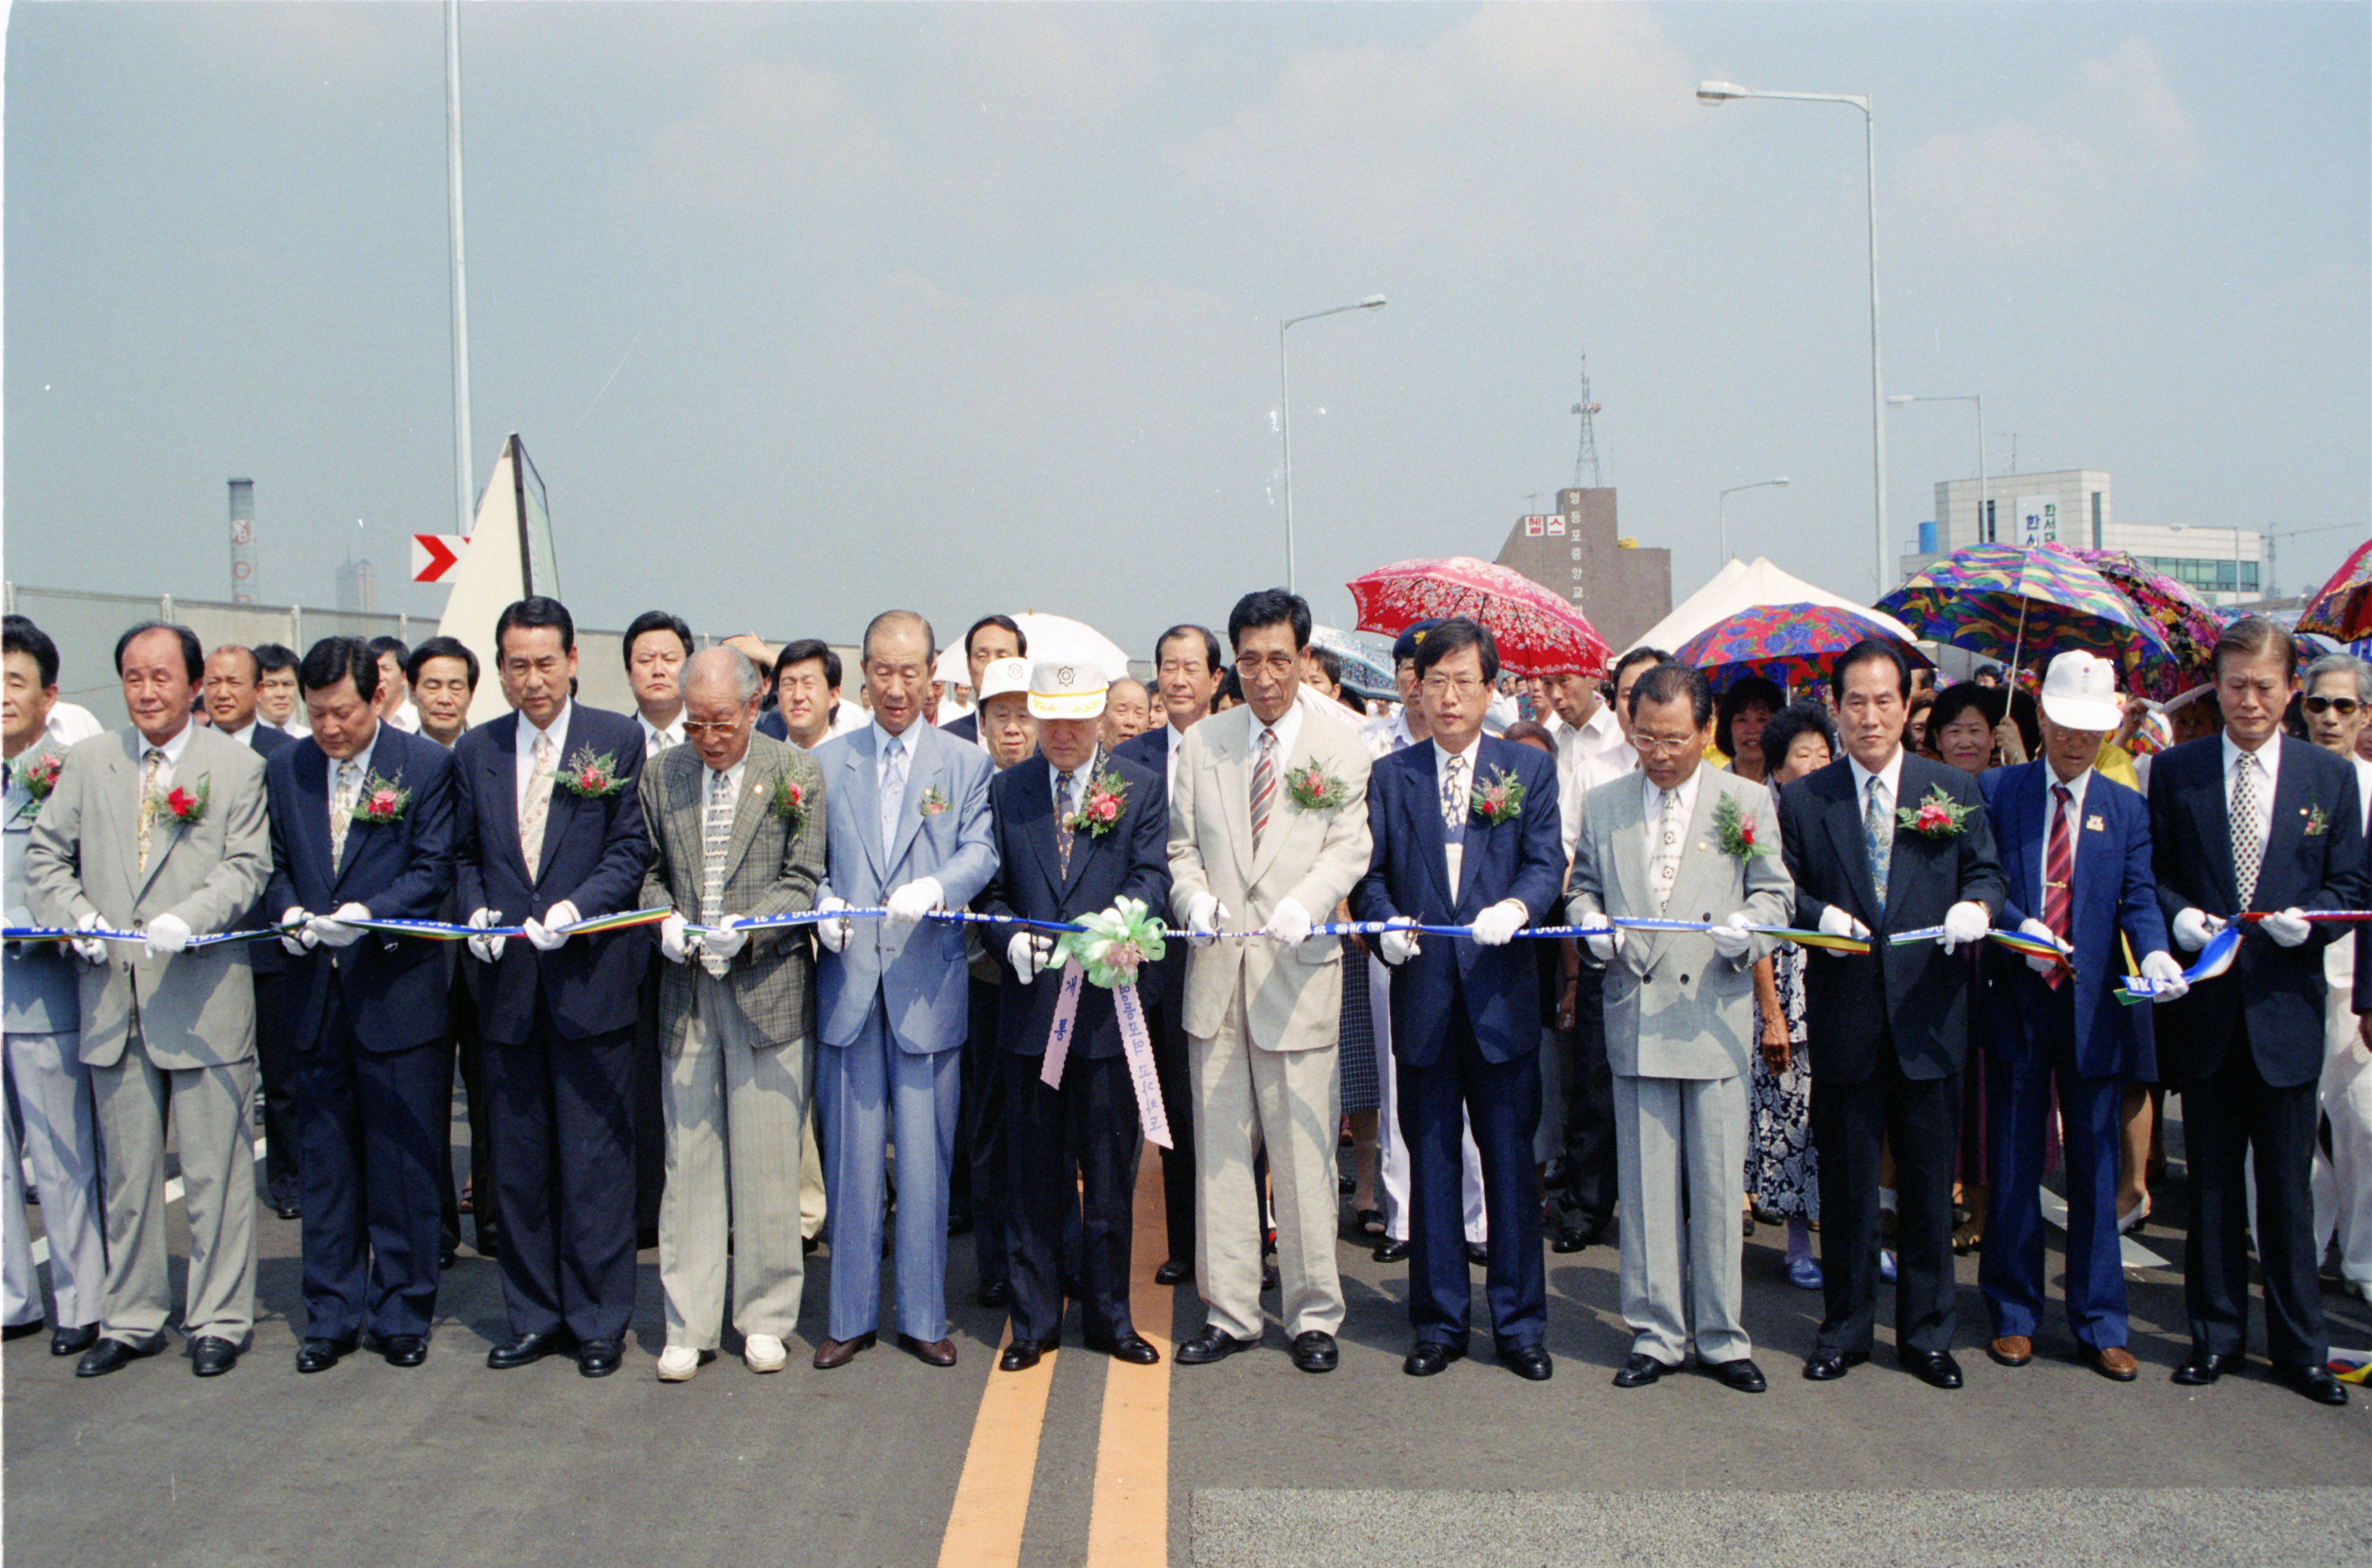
point(1585, 474)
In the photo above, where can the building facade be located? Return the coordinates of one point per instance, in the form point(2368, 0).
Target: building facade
point(1577, 553)
point(2224, 565)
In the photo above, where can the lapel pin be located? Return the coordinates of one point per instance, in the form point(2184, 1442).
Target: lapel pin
point(2094, 825)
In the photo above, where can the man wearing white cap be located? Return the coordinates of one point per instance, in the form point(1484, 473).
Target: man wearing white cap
point(2075, 851)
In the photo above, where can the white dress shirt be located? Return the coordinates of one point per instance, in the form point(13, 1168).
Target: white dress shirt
point(1170, 759)
point(70, 723)
point(1600, 739)
point(2076, 788)
point(655, 739)
point(524, 746)
point(406, 717)
point(1891, 775)
point(2268, 763)
point(244, 737)
point(1386, 735)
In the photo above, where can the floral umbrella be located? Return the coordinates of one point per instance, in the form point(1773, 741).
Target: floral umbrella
point(2184, 620)
point(1538, 633)
point(1790, 644)
point(2343, 606)
point(2002, 601)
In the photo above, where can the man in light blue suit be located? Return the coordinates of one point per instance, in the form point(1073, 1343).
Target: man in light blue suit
point(908, 827)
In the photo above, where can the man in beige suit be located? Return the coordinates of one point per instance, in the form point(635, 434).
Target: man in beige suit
point(160, 829)
point(736, 820)
point(1679, 840)
point(1268, 829)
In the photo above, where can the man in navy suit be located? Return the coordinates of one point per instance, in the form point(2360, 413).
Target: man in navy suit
point(1055, 863)
point(1882, 841)
point(992, 637)
point(362, 828)
point(1467, 833)
point(2251, 821)
point(2076, 858)
point(549, 832)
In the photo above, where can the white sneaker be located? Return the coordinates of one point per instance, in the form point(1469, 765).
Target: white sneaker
point(678, 1363)
point(765, 1354)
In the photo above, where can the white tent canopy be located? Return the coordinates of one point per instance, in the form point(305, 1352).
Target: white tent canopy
point(1741, 586)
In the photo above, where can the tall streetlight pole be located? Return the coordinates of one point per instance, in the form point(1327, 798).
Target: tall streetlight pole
point(464, 475)
point(1285, 378)
point(1984, 529)
point(1724, 513)
point(1714, 94)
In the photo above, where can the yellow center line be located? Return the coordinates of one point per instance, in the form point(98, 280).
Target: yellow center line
point(1130, 1523)
point(992, 1506)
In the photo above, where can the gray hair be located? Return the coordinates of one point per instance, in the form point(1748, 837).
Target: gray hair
point(899, 619)
point(2348, 665)
point(711, 664)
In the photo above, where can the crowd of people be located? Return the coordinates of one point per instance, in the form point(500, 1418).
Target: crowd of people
point(758, 969)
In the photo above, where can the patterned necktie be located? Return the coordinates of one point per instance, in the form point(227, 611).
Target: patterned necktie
point(153, 767)
point(342, 812)
point(2247, 850)
point(2059, 874)
point(716, 837)
point(538, 806)
point(1065, 834)
point(1263, 785)
point(1667, 867)
point(1878, 831)
point(1454, 801)
point(893, 791)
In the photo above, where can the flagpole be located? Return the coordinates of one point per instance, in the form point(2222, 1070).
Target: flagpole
point(464, 467)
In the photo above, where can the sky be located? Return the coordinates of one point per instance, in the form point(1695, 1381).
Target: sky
point(805, 311)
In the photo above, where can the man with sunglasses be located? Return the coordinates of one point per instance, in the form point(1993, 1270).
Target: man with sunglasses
point(2338, 702)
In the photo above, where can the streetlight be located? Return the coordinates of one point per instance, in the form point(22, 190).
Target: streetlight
point(1724, 512)
point(1714, 94)
point(1285, 377)
point(1984, 524)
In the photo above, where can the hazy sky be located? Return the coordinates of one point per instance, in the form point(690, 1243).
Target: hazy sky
point(804, 311)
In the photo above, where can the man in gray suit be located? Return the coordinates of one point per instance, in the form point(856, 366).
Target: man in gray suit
point(736, 820)
point(911, 832)
point(160, 828)
point(1679, 840)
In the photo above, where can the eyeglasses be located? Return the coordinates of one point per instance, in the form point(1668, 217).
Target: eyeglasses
point(1641, 741)
point(2343, 706)
point(694, 729)
point(1442, 685)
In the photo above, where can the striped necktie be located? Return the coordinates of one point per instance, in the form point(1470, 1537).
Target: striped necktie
point(2058, 873)
point(716, 837)
point(1263, 785)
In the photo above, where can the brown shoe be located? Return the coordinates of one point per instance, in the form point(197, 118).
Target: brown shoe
point(840, 1353)
point(939, 1352)
point(2012, 1350)
point(2113, 1361)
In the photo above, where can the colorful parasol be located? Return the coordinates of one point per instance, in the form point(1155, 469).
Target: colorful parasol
point(1538, 633)
point(1790, 644)
point(2186, 623)
point(2006, 602)
point(2342, 608)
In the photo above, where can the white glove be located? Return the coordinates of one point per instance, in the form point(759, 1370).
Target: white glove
point(1203, 917)
point(673, 946)
point(2163, 967)
point(2196, 928)
point(1398, 942)
point(915, 899)
point(1496, 926)
point(1835, 922)
point(332, 930)
point(832, 934)
point(1288, 924)
point(1731, 939)
point(545, 936)
point(168, 934)
point(2032, 927)
point(90, 950)
point(1964, 923)
point(2290, 928)
point(1603, 937)
point(485, 949)
point(297, 943)
point(1028, 953)
point(724, 941)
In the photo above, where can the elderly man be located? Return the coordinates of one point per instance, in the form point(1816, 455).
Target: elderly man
point(362, 828)
point(911, 833)
point(1681, 840)
point(992, 637)
point(737, 830)
point(2338, 701)
point(160, 828)
point(807, 694)
point(1128, 713)
point(1268, 829)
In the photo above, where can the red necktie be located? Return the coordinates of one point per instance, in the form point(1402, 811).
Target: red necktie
point(2058, 874)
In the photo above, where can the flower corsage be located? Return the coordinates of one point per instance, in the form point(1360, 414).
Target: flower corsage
point(2317, 821)
point(186, 806)
point(1938, 815)
point(1499, 798)
point(590, 776)
point(381, 800)
point(39, 777)
point(1099, 809)
point(1312, 788)
point(1737, 830)
point(790, 802)
point(935, 802)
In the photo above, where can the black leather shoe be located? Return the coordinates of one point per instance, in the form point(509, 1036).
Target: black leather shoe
point(1023, 1355)
point(1574, 1238)
point(1933, 1367)
point(1828, 1366)
point(1212, 1343)
point(1314, 1351)
point(1173, 1273)
point(2315, 1382)
point(112, 1354)
point(1393, 1252)
point(598, 1358)
point(1430, 1356)
point(996, 1293)
point(526, 1349)
point(211, 1357)
point(21, 1331)
point(1132, 1347)
point(288, 1208)
point(1741, 1375)
point(1478, 1254)
point(447, 1256)
point(319, 1356)
point(74, 1342)
point(959, 1222)
point(1531, 1362)
point(1269, 1276)
point(404, 1350)
point(1639, 1371)
point(940, 1352)
point(2202, 1367)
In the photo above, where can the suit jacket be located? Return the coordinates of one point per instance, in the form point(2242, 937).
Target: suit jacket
point(267, 957)
point(1917, 994)
point(1130, 860)
point(2112, 896)
point(197, 1009)
point(2278, 991)
point(593, 856)
point(1408, 874)
point(39, 991)
point(1675, 1007)
point(395, 987)
point(917, 970)
point(1151, 751)
point(770, 868)
point(1295, 1001)
point(964, 728)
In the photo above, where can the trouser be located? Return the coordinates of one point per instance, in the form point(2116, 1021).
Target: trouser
point(1850, 1122)
point(564, 1172)
point(1391, 1148)
point(2227, 1116)
point(1681, 1143)
point(469, 1055)
point(1500, 1102)
point(61, 1139)
point(2343, 1175)
point(875, 1092)
point(1175, 1075)
point(982, 1132)
point(275, 1067)
point(649, 1108)
point(2091, 1121)
point(1093, 1116)
point(1587, 1140)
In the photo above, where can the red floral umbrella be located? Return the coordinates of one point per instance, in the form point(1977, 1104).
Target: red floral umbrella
point(2343, 608)
point(1538, 633)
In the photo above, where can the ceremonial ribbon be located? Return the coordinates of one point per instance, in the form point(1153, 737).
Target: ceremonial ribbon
point(2017, 942)
point(1109, 949)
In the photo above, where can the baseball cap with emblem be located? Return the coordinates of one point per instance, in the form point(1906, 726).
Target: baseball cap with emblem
point(2079, 691)
point(1003, 676)
point(1404, 647)
point(1066, 686)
